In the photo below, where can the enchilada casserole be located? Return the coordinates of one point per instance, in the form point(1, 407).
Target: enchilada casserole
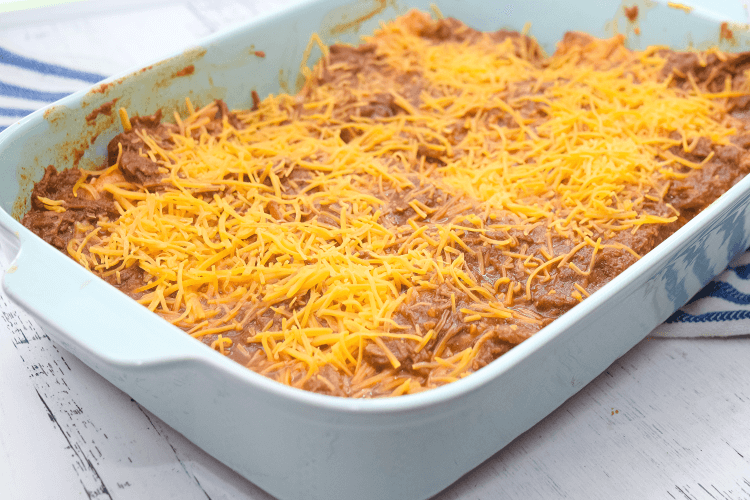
point(430, 199)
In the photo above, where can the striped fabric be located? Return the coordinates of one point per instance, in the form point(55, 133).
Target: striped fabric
point(722, 308)
point(27, 84)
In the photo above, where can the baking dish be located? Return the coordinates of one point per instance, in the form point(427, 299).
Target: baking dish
point(302, 445)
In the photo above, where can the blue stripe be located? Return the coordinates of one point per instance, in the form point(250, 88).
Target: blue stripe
point(8, 57)
point(742, 271)
point(9, 90)
point(17, 112)
point(722, 290)
point(710, 317)
point(2, 128)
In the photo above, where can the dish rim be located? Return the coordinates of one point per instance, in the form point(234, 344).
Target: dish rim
point(365, 406)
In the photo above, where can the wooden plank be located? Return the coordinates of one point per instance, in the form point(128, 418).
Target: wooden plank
point(97, 440)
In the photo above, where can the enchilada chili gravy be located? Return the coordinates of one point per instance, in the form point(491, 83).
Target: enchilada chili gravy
point(63, 213)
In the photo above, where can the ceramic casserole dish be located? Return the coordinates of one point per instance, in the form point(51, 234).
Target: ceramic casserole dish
point(296, 444)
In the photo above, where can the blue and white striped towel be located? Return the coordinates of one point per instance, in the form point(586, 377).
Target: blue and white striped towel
point(721, 309)
point(27, 84)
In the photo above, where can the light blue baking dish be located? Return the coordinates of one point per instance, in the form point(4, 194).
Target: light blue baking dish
point(296, 444)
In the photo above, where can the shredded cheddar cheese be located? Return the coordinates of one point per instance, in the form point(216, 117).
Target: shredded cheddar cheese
point(52, 205)
point(281, 233)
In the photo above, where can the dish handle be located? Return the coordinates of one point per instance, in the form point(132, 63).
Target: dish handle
point(83, 313)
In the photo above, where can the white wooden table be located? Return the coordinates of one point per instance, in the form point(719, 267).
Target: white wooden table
point(671, 419)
